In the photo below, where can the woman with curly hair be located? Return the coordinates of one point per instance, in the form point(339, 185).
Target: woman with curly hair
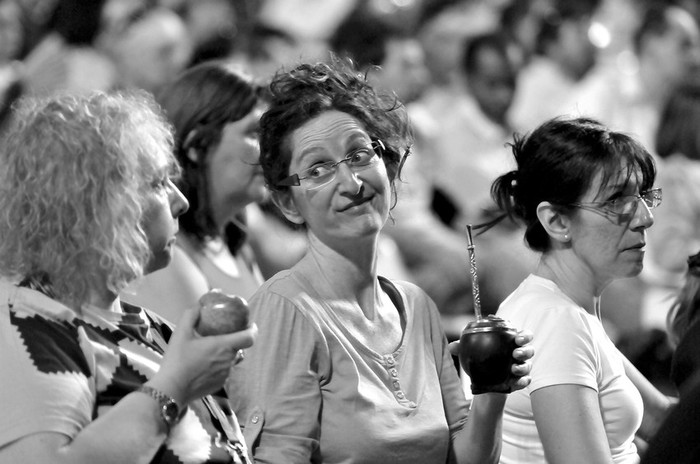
point(88, 204)
point(354, 367)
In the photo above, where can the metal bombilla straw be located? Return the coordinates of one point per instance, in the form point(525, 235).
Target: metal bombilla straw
point(472, 271)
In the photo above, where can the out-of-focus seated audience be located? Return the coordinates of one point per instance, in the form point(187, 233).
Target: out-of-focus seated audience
point(519, 21)
point(214, 109)
point(675, 235)
point(441, 34)
point(88, 205)
point(65, 58)
point(564, 56)
point(214, 27)
point(471, 145)
point(84, 46)
point(147, 45)
point(267, 49)
point(629, 94)
point(442, 31)
point(470, 153)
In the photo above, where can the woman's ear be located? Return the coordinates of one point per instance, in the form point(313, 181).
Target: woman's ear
point(192, 155)
point(191, 144)
point(554, 222)
point(285, 202)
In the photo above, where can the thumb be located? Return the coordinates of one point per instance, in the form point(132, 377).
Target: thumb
point(454, 348)
point(189, 318)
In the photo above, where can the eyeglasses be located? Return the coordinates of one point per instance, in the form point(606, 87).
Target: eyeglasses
point(625, 205)
point(322, 174)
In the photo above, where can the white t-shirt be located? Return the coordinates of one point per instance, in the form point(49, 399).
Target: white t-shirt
point(571, 347)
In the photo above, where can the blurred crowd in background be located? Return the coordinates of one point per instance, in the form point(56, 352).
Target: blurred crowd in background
point(471, 72)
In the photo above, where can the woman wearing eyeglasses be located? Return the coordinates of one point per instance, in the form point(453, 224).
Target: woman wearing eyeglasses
point(585, 195)
point(353, 368)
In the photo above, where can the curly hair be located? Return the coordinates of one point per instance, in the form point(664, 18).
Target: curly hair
point(299, 95)
point(199, 103)
point(557, 163)
point(76, 172)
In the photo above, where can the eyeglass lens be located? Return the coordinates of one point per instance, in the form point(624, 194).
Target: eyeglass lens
point(320, 176)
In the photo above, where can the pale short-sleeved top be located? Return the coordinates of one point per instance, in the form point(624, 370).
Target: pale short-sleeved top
point(308, 391)
point(571, 347)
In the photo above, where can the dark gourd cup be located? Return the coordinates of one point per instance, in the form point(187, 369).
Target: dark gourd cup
point(486, 354)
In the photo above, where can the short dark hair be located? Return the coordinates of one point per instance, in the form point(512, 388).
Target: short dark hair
point(473, 46)
point(562, 11)
point(557, 163)
point(363, 37)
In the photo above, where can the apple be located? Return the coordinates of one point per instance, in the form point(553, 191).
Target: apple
point(221, 313)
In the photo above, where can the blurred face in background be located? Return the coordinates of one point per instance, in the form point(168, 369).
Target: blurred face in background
point(233, 169)
point(152, 50)
point(677, 52)
point(578, 54)
point(492, 84)
point(404, 70)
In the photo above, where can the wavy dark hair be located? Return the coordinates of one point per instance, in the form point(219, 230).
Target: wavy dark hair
point(200, 102)
point(299, 95)
point(557, 163)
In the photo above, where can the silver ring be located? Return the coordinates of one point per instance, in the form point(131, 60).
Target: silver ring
point(240, 356)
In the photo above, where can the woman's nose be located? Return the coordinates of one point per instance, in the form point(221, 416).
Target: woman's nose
point(348, 179)
point(643, 218)
point(178, 203)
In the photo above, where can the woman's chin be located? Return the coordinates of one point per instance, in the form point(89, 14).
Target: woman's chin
point(160, 260)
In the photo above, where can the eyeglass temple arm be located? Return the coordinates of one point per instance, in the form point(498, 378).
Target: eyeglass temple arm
point(378, 144)
point(291, 181)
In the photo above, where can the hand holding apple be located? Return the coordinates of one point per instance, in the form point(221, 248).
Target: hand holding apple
point(221, 313)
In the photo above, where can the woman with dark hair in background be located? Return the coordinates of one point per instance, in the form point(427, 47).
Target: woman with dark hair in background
point(215, 109)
